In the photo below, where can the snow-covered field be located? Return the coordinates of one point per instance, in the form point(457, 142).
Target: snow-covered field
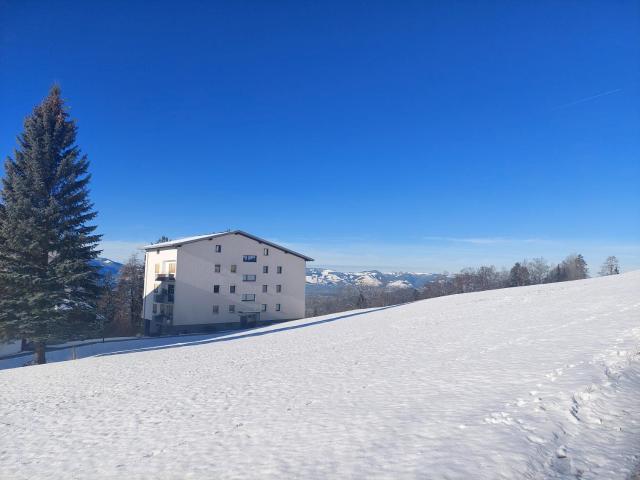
point(90, 348)
point(532, 382)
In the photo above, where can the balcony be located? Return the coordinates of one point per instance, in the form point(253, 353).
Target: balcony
point(163, 297)
point(163, 277)
point(163, 319)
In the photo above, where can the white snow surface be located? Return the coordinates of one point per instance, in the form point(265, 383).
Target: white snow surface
point(531, 382)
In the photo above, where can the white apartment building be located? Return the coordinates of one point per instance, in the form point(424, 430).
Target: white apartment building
point(219, 281)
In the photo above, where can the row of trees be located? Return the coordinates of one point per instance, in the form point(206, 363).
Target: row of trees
point(536, 271)
point(527, 272)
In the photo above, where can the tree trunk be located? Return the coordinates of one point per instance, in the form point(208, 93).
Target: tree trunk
point(40, 353)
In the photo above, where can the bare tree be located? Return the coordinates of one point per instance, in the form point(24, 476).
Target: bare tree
point(611, 266)
point(129, 290)
point(538, 270)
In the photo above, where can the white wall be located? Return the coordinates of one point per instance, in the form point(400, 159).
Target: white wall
point(151, 258)
point(196, 276)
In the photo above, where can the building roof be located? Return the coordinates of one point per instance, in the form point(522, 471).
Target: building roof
point(181, 241)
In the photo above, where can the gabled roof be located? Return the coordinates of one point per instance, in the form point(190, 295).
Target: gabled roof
point(182, 241)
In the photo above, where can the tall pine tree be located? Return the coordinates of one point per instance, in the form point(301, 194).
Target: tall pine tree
point(49, 288)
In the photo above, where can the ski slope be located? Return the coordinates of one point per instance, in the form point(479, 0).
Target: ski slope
point(530, 382)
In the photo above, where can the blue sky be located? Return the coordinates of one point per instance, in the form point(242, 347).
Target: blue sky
point(421, 136)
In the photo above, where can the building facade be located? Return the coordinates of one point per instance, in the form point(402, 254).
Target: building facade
point(220, 281)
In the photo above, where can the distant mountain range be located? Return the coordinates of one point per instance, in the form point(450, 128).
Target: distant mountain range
point(106, 266)
point(325, 280)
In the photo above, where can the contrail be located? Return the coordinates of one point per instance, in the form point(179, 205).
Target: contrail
point(587, 99)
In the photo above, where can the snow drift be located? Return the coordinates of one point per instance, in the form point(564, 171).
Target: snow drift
point(531, 382)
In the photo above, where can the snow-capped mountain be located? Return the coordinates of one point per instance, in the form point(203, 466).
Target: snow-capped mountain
point(107, 266)
point(323, 279)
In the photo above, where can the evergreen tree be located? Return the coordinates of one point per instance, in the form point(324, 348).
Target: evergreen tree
point(49, 288)
point(575, 267)
point(519, 275)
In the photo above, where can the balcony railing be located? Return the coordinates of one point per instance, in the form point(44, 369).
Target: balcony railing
point(163, 298)
point(161, 277)
point(163, 318)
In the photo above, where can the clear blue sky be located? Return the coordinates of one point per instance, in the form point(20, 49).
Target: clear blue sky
point(398, 135)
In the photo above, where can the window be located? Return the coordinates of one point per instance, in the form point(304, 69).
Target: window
point(232, 308)
point(218, 248)
point(248, 278)
point(278, 288)
point(217, 268)
point(232, 289)
point(172, 268)
point(171, 293)
point(266, 252)
point(156, 268)
point(277, 307)
point(248, 297)
point(264, 289)
point(249, 258)
point(155, 308)
point(279, 270)
point(216, 309)
point(216, 289)
point(234, 268)
point(264, 307)
point(265, 269)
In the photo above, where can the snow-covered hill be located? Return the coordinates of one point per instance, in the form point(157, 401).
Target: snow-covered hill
point(322, 279)
point(531, 382)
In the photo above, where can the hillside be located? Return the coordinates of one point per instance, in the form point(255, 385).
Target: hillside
point(530, 382)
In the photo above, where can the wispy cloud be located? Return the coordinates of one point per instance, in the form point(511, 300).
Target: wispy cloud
point(120, 250)
point(484, 240)
point(587, 99)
